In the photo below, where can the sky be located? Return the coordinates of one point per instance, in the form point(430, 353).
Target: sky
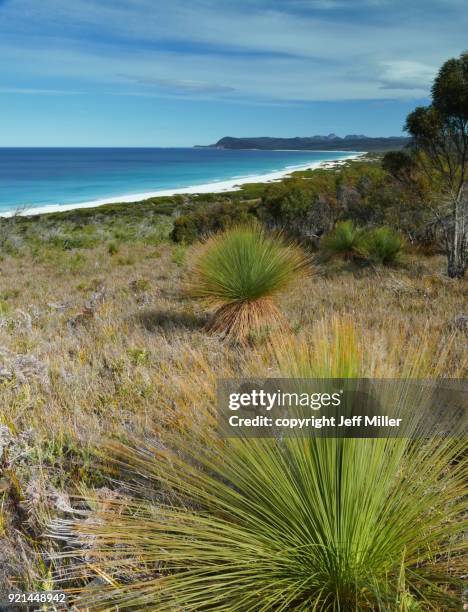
point(184, 72)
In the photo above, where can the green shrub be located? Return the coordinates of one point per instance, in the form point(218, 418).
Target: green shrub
point(345, 241)
point(383, 246)
point(185, 229)
point(303, 208)
point(288, 201)
point(210, 219)
point(113, 248)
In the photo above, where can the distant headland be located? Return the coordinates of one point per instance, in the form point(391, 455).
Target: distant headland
point(332, 142)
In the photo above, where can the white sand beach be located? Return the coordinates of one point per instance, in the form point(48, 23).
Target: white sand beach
point(213, 187)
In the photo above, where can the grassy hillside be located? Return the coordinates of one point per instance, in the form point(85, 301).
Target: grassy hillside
point(99, 339)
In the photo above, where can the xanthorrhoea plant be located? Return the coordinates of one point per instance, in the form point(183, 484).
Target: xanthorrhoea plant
point(238, 273)
point(294, 524)
point(383, 246)
point(345, 240)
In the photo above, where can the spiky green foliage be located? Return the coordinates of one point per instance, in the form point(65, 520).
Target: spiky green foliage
point(383, 246)
point(239, 272)
point(296, 524)
point(315, 524)
point(244, 263)
point(345, 241)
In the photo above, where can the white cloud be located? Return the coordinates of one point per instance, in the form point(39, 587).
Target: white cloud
point(243, 50)
point(408, 75)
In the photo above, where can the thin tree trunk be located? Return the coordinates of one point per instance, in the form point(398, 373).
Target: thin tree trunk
point(458, 247)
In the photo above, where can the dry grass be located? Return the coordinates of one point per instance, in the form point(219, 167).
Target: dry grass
point(95, 345)
point(108, 348)
point(118, 340)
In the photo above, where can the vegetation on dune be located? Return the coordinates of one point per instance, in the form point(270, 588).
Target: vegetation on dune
point(238, 273)
point(309, 204)
point(295, 524)
point(306, 207)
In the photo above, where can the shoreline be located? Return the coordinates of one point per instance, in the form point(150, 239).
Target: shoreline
point(227, 185)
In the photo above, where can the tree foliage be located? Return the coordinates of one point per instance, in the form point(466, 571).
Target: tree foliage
point(440, 150)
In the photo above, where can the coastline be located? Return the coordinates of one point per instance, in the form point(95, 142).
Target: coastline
point(233, 184)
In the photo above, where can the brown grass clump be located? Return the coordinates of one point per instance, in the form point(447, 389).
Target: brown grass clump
point(241, 319)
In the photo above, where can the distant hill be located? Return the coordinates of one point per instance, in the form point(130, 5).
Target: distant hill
point(352, 142)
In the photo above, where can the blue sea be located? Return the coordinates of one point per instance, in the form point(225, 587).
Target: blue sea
point(48, 179)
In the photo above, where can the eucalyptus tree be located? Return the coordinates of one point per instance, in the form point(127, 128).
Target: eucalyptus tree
point(440, 149)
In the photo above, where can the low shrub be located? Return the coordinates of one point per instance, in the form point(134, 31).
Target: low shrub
point(304, 208)
point(210, 219)
point(383, 246)
point(113, 248)
point(345, 241)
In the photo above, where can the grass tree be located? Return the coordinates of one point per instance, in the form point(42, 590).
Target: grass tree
point(345, 241)
point(383, 246)
point(280, 524)
point(238, 273)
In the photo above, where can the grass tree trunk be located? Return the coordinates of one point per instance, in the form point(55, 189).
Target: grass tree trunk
point(458, 247)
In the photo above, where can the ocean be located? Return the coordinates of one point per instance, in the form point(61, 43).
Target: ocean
point(46, 179)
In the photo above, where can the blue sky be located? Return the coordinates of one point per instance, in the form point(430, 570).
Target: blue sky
point(184, 72)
